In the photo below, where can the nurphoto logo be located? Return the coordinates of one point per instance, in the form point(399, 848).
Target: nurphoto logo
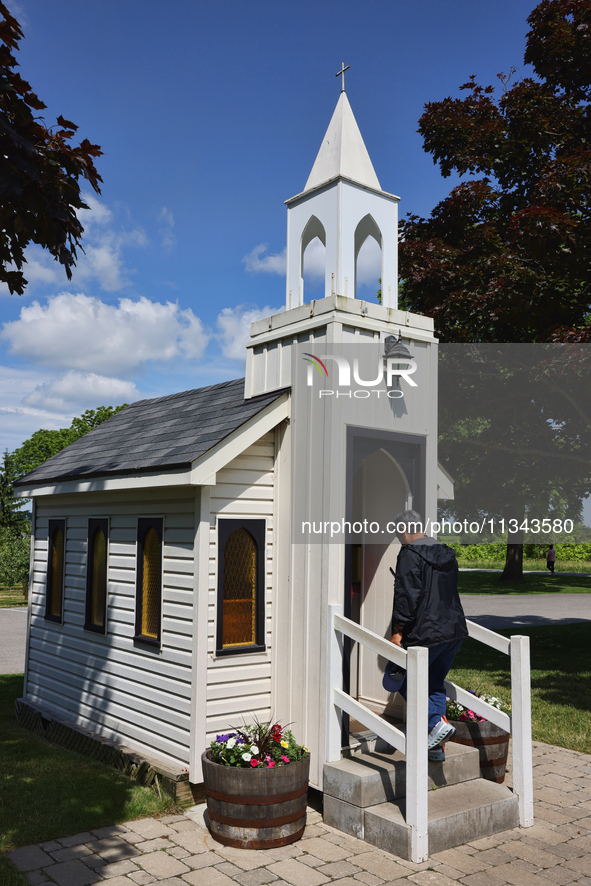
point(391, 368)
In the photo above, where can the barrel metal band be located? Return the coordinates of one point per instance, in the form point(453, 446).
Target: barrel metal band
point(256, 801)
point(480, 741)
point(258, 823)
point(489, 763)
point(258, 844)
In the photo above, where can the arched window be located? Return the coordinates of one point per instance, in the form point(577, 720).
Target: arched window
point(368, 258)
point(148, 616)
point(96, 576)
point(240, 586)
point(55, 571)
point(313, 258)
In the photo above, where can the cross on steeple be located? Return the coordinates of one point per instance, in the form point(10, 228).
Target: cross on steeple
point(341, 73)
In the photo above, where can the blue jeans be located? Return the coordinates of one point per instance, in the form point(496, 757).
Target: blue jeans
point(440, 661)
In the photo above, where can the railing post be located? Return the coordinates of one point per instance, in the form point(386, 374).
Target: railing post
point(334, 678)
point(521, 728)
point(417, 813)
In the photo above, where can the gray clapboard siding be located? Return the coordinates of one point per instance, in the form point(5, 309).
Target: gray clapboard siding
point(240, 686)
point(139, 730)
point(102, 680)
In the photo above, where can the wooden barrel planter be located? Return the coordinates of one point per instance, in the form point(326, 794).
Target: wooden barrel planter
point(256, 808)
point(492, 743)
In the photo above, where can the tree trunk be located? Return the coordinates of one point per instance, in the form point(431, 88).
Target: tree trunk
point(513, 570)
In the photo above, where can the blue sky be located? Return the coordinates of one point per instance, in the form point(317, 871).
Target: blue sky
point(210, 115)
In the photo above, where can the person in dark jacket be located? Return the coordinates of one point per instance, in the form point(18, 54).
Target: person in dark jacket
point(427, 612)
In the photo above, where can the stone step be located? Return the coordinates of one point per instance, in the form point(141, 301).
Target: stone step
point(368, 779)
point(459, 814)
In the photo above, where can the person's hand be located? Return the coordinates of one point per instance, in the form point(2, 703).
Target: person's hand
point(397, 639)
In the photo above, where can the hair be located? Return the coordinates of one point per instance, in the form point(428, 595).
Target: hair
point(409, 521)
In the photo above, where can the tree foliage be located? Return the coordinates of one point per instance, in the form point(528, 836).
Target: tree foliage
point(39, 187)
point(507, 255)
point(515, 433)
point(15, 552)
point(38, 448)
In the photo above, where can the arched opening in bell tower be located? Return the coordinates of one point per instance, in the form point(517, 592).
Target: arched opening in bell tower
point(313, 260)
point(368, 258)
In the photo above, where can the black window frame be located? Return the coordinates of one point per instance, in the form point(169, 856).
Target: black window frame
point(257, 529)
point(93, 525)
point(58, 523)
point(143, 525)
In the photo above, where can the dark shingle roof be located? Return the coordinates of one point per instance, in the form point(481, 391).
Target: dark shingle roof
point(167, 433)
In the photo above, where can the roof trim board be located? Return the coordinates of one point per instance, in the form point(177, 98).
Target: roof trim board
point(202, 472)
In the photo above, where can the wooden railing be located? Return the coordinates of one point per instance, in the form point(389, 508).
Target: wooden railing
point(413, 743)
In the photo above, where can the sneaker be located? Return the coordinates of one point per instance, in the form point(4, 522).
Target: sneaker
point(437, 755)
point(441, 732)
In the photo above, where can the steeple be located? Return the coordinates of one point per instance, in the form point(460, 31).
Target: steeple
point(342, 204)
point(343, 152)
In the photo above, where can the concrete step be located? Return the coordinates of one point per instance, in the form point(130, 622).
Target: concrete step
point(460, 813)
point(368, 779)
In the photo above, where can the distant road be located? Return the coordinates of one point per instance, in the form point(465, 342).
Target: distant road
point(513, 610)
point(13, 634)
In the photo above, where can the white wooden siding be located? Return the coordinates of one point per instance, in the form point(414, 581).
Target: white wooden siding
point(127, 692)
point(240, 686)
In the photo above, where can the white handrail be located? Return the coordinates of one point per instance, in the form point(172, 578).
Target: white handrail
point(490, 638)
point(414, 743)
point(480, 707)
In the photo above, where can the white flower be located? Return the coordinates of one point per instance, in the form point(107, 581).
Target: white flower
point(231, 742)
point(254, 749)
point(246, 757)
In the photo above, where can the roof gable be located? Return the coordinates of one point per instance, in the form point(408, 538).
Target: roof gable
point(164, 434)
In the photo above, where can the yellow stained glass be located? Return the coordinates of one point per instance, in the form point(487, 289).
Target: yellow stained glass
point(239, 590)
point(56, 573)
point(151, 585)
point(99, 578)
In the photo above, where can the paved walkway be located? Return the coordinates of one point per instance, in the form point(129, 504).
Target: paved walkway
point(178, 851)
point(515, 610)
point(13, 630)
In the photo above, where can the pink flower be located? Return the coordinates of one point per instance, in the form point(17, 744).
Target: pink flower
point(284, 758)
point(254, 762)
point(270, 764)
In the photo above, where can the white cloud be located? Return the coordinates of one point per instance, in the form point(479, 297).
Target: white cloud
point(84, 390)
point(103, 242)
point(314, 261)
point(257, 263)
point(100, 259)
point(166, 219)
point(84, 333)
point(369, 263)
point(234, 325)
point(97, 213)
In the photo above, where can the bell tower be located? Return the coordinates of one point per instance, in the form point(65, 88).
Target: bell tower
point(342, 204)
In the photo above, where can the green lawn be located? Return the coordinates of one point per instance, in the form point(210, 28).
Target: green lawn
point(47, 791)
point(11, 597)
point(561, 680)
point(489, 583)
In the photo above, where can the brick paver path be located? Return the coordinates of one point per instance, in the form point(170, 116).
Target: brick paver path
point(178, 851)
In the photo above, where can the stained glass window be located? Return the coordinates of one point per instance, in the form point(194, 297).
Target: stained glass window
point(55, 570)
point(239, 590)
point(96, 576)
point(241, 559)
point(149, 584)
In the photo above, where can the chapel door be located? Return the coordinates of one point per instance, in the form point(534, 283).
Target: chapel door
point(380, 492)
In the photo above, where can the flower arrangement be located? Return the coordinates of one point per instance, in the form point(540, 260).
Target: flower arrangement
point(259, 745)
point(456, 711)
